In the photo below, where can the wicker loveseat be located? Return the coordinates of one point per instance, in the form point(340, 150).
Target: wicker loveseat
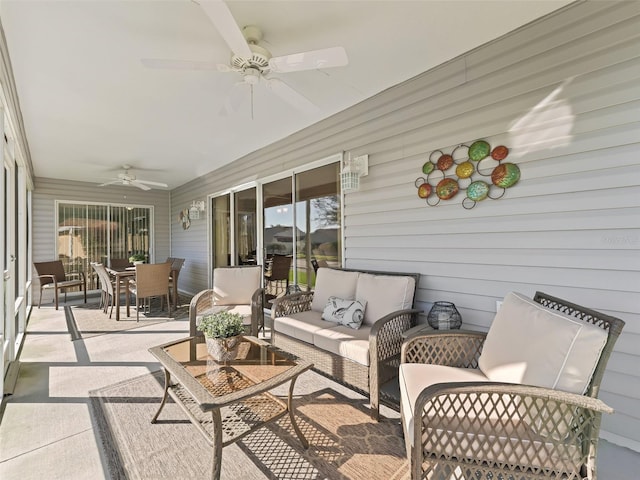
point(366, 357)
point(519, 402)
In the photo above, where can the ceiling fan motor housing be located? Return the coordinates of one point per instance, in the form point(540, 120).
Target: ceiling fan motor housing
point(259, 59)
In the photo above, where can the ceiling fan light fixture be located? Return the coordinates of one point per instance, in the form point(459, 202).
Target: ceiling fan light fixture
point(251, 76)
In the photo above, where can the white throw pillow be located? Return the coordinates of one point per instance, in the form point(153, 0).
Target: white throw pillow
point(333, 283)
point(349, 313)
point(534, 345)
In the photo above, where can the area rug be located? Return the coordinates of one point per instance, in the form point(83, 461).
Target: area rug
point(344, 442)
point(88, 320)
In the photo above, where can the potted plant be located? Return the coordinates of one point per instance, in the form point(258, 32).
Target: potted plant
point(137, 258)
point(223, 333)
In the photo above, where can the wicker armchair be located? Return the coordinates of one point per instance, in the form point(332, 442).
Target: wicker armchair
point(477, 429)
point(236, 289)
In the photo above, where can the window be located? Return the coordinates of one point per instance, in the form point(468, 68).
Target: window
point(98, 232)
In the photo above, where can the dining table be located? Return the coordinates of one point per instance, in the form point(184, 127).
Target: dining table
point(122, 275)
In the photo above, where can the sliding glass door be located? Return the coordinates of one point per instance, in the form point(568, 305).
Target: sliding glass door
point(246, 227)
point(318, 219)
point(234, 212)
point(297, 229)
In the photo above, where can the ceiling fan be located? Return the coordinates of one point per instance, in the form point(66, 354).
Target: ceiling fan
point(128, 179)
point(254, 62)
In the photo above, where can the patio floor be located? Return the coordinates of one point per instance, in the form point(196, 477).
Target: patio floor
point(46, 430)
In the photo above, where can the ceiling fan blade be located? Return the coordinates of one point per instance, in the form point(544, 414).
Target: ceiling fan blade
point(141, 186)
point(155, 184)
point(168, 64)
point(296, 62)
point(291, 96)
point(110, 183)
point(220, 15)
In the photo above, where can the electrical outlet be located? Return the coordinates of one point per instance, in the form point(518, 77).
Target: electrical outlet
point(498, 304)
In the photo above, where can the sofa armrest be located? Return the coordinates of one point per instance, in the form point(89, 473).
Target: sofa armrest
point(453, 348)
point(294, 303)
point(538, 426)
point(385, 343)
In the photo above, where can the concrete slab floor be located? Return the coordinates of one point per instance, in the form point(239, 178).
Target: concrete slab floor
point(46, 430)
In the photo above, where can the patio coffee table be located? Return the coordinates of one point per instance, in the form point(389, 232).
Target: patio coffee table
point(228, 400)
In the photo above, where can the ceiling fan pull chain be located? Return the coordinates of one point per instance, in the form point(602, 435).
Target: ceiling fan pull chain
point(251, 101)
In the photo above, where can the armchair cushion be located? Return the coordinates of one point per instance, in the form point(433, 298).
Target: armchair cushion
point(244, 310)
point(344, 312)
point(531, 344)
point(235, 286)
point(415, 377)
point(333, 283)
point(384, 294)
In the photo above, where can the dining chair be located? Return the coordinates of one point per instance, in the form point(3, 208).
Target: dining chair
point(151, 280)
point(176, 266)
point(52, 276)
point(107, 287)
point(117, 263)
point(276, 279)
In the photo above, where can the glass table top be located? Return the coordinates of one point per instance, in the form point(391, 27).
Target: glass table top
point(256, 362)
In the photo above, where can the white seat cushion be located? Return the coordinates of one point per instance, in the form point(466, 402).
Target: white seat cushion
point(333, 283)
point(531, 344)
point(345, 341)
point(301, 325)
point(384, 294)
point(244, 310)
point(415, 377)
point(235, 285)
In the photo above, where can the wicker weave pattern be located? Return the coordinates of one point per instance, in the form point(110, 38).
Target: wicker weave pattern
point(385, 341)
point(294, 303)
point(461, 349)
point(239, 418)
point(486, 430)
point(351, 373)
point(489, 428)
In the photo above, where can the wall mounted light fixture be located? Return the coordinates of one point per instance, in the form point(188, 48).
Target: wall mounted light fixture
point(352, 170)
point(195, 209)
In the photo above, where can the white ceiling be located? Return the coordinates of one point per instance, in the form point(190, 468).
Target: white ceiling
point(90, 105)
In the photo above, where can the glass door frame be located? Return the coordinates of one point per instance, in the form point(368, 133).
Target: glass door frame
point(232, 225)
point(258, 184)
point(335, 158)
point(7, 241)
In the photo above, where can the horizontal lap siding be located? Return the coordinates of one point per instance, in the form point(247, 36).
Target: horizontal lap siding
point(563, 94)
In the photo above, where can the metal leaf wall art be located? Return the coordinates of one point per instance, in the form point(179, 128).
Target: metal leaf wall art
point(475, 170)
